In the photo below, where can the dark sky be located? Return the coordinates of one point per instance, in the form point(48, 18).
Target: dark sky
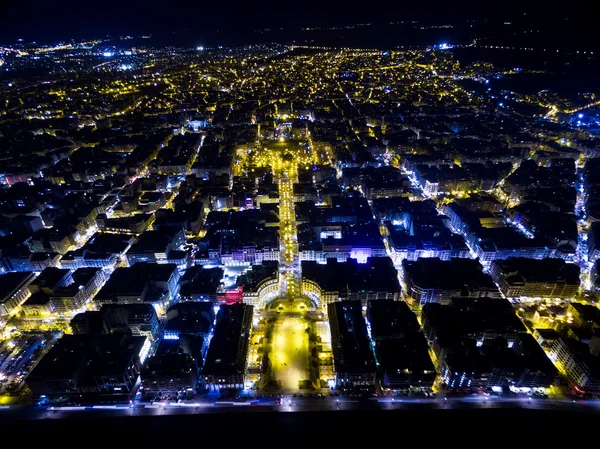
point(54, 19)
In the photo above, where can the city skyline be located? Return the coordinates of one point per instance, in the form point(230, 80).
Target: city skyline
point(39, 20)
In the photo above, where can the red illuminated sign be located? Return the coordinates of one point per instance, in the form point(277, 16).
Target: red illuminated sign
point(232, 296)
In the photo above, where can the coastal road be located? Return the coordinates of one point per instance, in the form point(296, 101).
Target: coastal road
point(290, 404)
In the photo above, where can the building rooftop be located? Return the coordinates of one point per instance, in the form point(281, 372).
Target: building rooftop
point(523, 270)
point(190, 317)
point(10, 283)
point(168, 365)
point(585, 354)
point(586, 312)
point(155, 241)
point(547, 334)
point(42, 256)
point(349, 338)
point(124, 223)
point(90, 322)
point(472, 316)
point(453, 274)
point(250, 279)
point(52, 278)
point(227, 351)
point(81, 278)
point(497, 355)
point(233, 230)
point(133, 281)
point(132, 311)
point(409, 354)
point(106, 242)
point(390, 319)
point(494, 239)
point(81, 358)
point(378, 274)
point(199, 280)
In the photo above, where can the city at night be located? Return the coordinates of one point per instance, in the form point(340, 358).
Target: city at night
point(298, 219)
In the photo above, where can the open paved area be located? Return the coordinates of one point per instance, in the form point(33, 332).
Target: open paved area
point(290, 352)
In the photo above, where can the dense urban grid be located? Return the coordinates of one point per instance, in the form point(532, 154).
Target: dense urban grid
point(272, 224)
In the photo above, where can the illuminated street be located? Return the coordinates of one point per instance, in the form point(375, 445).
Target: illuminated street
point(289, 352)
point(302, 404)
point(289, 259)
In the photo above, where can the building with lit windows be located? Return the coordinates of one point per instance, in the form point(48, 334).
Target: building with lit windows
point(443, 245)
point(255, 285)
point(155, 246)
point(200, 284)
point(14, 291)
point(90, 368)
point(350, 280)
point(580, 361)
point(448, 178)
point(225, 365)
point(240, 238)
point(584, 315)
point(190, 318)
point(313, 290)
point(354, 363)
point(144, 282)
point(489, 242)
point(135, 224)
point(342, 249)
point(89, 259)
point(62, 292)
point(594, 242)
point(482, 343)
point(55, 240)
point(21, 259)
point(139, 319)
point(169, 373)
point(545, 278)
point(265, 291)
point(400, 346)
point(102, 250)
point(435, 280)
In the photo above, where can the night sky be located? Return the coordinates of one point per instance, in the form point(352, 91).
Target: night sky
point(55, 20)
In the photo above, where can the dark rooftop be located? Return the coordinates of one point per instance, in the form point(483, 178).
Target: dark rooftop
point(378, 274)
point(390, 319)
point(11, 282)
point(82, 357)
point(547, 270)
point(447, 274)
point(349, 338)
point(133, 280)
point(470, 316)
point(199, 280)
point(190, 317)
point(227, 351)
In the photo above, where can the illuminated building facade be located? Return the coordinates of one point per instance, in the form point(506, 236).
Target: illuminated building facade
point(546, 278)
point(579, 362)
point(434, 280)
point(14, 291)
point(62, 292)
